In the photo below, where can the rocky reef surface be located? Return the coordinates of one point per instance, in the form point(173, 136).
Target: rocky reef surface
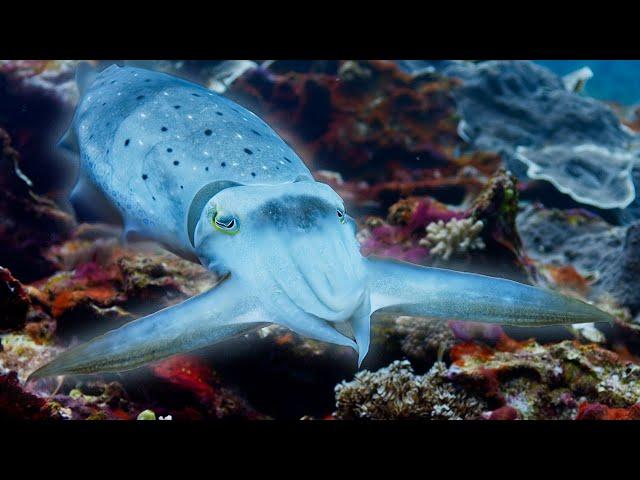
point(491, 167)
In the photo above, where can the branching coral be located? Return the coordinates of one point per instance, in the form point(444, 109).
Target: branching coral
point(395, 392)
point(455, 236)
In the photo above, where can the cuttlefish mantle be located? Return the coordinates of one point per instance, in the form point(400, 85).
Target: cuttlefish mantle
point(210, 180)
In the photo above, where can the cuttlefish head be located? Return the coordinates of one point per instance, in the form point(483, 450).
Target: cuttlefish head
point(294, 246)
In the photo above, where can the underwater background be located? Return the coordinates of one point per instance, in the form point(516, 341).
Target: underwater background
point(520, 169)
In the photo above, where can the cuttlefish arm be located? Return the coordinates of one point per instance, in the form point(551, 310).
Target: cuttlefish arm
point(408, 289)
point(223, 312)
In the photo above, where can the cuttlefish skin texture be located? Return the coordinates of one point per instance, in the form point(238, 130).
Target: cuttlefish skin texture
point(210, 180)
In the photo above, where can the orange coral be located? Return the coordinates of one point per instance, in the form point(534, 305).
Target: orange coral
point(460, 351)
point(567, 276)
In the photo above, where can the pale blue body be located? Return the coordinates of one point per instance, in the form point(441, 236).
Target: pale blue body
point(132, 123)
point(206, 177)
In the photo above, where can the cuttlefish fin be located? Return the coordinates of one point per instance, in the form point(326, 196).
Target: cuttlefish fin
point(409, 289)
point(225, 311)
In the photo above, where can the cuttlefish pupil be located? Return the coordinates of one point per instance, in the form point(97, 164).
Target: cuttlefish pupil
point(226, 224)
point(259, 220)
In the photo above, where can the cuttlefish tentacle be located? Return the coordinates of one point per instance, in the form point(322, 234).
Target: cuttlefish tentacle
point(218, 314)
point(409, 289)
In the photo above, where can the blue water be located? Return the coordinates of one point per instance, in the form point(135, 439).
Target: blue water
point(613, 80)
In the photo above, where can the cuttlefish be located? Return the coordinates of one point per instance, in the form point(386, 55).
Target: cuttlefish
point(210, 180)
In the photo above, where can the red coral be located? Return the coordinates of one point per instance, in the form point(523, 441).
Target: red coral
point(599, 411)
point(69, 299)
point(16, 403)
point(189, 373)
point(504, 413)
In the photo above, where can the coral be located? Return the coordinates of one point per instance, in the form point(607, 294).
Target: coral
point(96, 400)
point(455, 236)
point(18, 404)
point(606, 256)
point(291, 344)
point(509, 104)
point(54, 76)
point(37, 98)
point(395, 392)
point(29, 223)
point(598, 411)
point(503, 413)
point(545, 381)
point(422, 338)
point(20, 354)
point(14, 301)
point(590, 174)
point(160, 271)
point(105, 285)
point(395, 131)
point(399, 237)
point(497, 207)
point(189, 373)
point(575, 81)
point(227, 72)
point(467, 331)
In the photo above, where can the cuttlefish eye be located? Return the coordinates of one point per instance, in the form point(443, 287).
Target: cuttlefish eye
point(226, 224)
point(341, 215)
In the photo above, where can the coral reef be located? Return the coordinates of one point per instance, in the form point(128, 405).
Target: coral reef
point(29, 223)
point(17, 404)
point(22, 354)
point(547, 381)
point(14, 301)
point(574, 141)
point(497, 207)
point(395, 131)
point(37, 98)
point(601, 259)
point(598, 411)
point(431, 159)
point(514, 380)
